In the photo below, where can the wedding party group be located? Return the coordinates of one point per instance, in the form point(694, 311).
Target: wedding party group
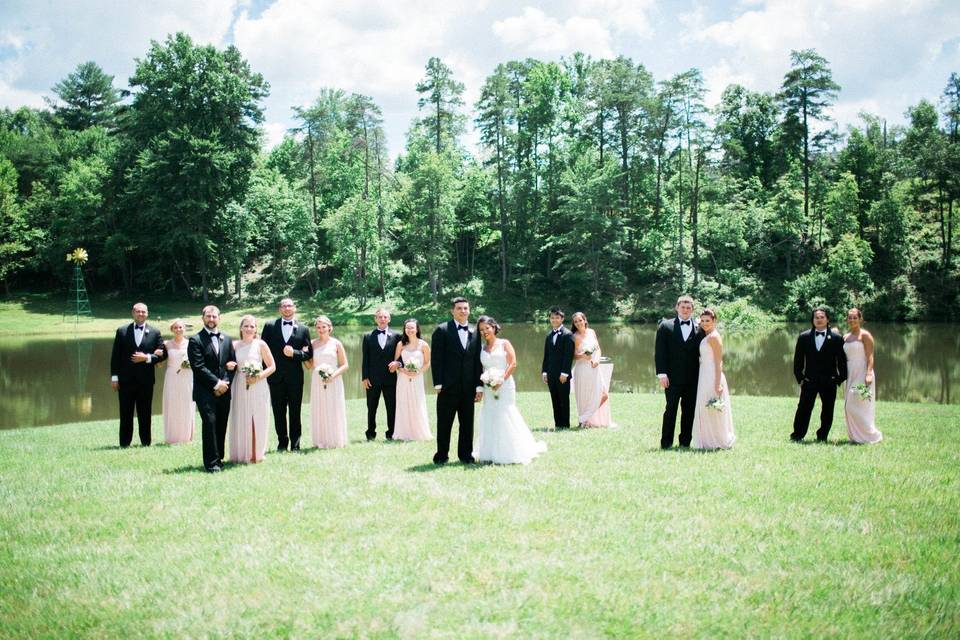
point(234, 383)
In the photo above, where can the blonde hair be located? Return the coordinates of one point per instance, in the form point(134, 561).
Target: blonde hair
point(256, 334)
point(325, 320)
point(175, 321)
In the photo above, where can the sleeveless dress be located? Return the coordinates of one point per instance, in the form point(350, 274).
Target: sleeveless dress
point(411, 421)
point(504, 437)
point(178, 405)
point(859, 414)
point(249, 407)
point(328, 406)
point(712, 429)
point(589, 386)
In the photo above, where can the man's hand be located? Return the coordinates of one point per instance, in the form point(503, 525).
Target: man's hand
point(139, 356)
point(563, 378)
point(115, 385)
point(367, 384)
point(393, 366)
point(231, 366)
point(478, 397)
point(545, 378)
point(664, 382)
point(288, 351)
point(221, 387)
point(158, 352)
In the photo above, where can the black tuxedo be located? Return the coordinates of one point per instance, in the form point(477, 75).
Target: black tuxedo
point(817, 373)
point(374, 368)
point(136, 379)
point(209, 367)
point(286, 383)
point(557, 359)
point(679, 359)
point(457, 370)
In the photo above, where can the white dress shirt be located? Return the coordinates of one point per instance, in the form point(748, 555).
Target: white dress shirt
point(819, 339)
point(286, 330)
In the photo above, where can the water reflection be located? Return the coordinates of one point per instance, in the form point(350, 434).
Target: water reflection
point(51, 380)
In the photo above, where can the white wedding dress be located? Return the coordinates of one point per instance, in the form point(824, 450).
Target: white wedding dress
point(504, 437)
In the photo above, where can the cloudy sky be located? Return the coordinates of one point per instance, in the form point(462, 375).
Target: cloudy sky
point(885, 54)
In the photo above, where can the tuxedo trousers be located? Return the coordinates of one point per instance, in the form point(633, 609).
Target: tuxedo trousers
point(214, 414)
point(809, 390)
point(139, 398)
point(684, 396)
point(286, 395)
point(560, 398)
point(450, 405)
point(389, 393)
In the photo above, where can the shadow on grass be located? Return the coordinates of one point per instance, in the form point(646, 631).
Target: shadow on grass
point(430, 466)
point(684, 450)
point(108, 447)
point(199, 469)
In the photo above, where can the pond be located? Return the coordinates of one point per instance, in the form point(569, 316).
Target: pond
point(46, 381)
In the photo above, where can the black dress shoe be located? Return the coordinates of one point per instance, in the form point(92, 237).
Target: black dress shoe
point(821, 440)
point(437, 460)
point(469, 460)
point(389, 436)
point(215, 469)
point(295, 447)
point(561, 428)
point(371, 438)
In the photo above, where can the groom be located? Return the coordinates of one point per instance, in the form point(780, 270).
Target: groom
point(210, 352)
point(289, 342)
point(557, 362)
point(455, 361)
point(819, 365)
point(137, 347)
point(677, 357)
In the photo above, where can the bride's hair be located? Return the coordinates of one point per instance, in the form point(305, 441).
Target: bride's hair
point(490, 321)
point(404, 338)
point(708, 311)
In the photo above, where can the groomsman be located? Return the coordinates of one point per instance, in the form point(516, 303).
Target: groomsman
point(378, 372)
point(677, 357)
point(137, 347)
point(819, 365)
point(557, 362)
point(289, 342)
point(455, 362)
point(213, 362)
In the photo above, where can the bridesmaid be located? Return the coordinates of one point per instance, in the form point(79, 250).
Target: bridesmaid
point(859, 413)
point(412, 422)
point(250, 395)
point(593, 407)
point(178, 406)
point(712, 428)
point(328, 405)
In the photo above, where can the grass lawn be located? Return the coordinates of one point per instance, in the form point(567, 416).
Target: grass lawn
point(603, 536)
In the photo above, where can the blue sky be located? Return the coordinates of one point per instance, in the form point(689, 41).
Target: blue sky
point(885, 54)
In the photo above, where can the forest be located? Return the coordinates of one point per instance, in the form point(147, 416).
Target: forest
point(594, 184)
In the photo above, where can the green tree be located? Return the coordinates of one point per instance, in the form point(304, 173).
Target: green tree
point(88, 98)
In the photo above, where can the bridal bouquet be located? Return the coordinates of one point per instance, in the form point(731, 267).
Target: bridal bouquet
point(184, 364)
point(717, 404)
point(590, 349)
point(325, 372)
point(412, 368)
point(492, 378)
point(863, 391)
point(251, 369)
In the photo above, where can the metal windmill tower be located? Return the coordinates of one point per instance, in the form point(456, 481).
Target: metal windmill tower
point(79, 302)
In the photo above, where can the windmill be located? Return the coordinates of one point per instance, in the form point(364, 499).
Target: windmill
point(80, 303)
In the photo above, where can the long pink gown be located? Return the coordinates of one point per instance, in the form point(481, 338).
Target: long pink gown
point(412, 421)
point(178, 405)
point(712, 429)
point(589, 386)
point(328, 405)
point(249, 408)
point(859, 413)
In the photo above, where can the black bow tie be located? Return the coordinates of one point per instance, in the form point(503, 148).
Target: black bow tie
point(557, 331)
point(821, 333)
point(215, 335)
point(288, 322)
point(463, 328)
point(686, 322)
point(138, 327)
point(382, 332)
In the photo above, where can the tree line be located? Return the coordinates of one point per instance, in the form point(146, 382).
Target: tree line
point(594, 183)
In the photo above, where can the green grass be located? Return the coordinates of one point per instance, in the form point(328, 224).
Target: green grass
point(603, 536)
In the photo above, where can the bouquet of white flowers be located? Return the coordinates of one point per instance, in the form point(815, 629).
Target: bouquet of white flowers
point(492, 378)
point(184, 364)
point(325, 372)
point(412, 368)
point(717, 403)
point(863, 391)
point(251, 370)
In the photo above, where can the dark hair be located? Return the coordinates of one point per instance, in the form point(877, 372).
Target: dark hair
point(458, 300)
point(557, 311)
point(825, 310)
point(708, 311)
point(404, 338)
point(573, 321)
point(490, 321)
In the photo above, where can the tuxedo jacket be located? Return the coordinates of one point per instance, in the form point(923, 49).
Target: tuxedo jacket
point(454, 367)
point(124, 346)
point(209, 367)
point(287, 368)
point(679, 359)
point(558, 358)
point(827, 365)
point(375, 360)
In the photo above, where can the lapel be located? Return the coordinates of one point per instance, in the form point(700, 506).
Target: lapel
point(455, 330)
point(677, 334)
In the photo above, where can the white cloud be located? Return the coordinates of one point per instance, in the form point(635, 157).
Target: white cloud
point(536, 32)
point(273, 133)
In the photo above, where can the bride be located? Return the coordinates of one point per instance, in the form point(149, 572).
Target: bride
point(503, 435)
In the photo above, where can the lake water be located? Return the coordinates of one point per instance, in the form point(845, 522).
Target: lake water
point(47, 381)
